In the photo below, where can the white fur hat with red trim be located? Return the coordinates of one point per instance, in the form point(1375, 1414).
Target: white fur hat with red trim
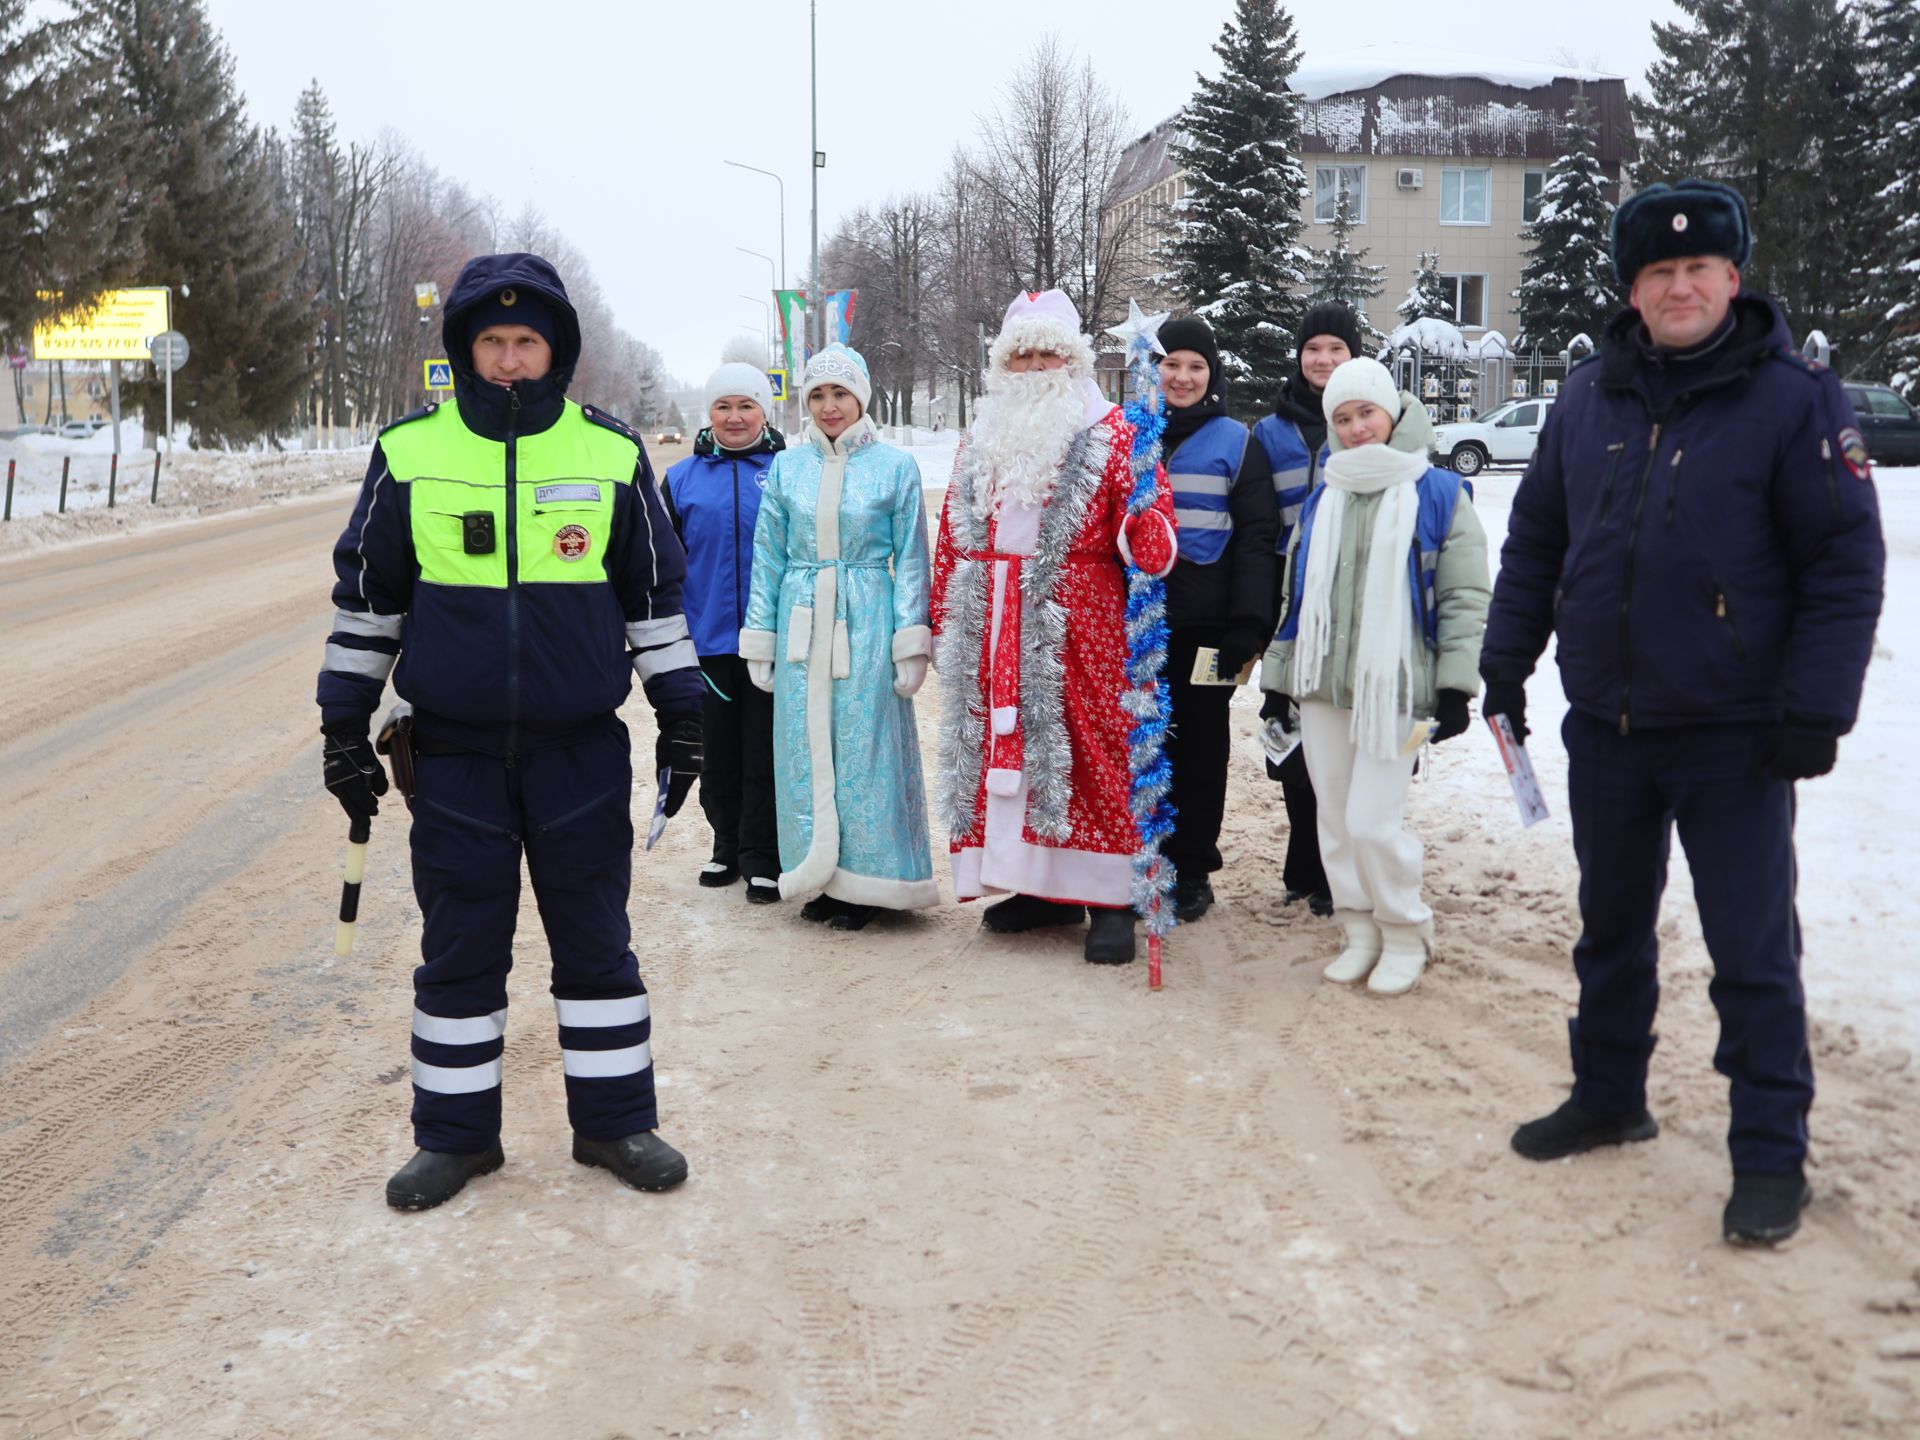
point(1043, 320)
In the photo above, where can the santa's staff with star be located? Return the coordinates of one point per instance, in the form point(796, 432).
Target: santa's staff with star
point(1030, 615)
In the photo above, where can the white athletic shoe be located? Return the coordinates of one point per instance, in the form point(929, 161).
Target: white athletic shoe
point(1363, 948)
point(1405, 950)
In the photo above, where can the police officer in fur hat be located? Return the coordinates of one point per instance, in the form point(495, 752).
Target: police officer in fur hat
point(1699, 532)
point(509, 563)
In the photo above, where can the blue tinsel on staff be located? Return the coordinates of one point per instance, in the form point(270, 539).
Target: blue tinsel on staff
point(1147, 699)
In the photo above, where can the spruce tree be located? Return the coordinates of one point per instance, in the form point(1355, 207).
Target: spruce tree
point(1766, 96)
point(215, 228)
point(1236, 251)
point(1567, 287)
point(1339, 272)
point(66, 171)
point(1426, 298)
point(1891, 288)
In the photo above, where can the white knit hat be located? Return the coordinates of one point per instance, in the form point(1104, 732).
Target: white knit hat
point(739, 378)
point(1361, 379)
point(838, 365)
point(1043, 320)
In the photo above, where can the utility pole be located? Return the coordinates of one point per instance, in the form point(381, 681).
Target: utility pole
point(816, 292)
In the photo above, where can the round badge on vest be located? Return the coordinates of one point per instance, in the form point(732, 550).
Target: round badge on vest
point(571, 542)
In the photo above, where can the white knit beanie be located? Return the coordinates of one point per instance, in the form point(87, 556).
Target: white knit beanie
point(1361, 379)
point(739, 378)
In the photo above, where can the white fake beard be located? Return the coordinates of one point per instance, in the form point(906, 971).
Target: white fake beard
point(1021, 434)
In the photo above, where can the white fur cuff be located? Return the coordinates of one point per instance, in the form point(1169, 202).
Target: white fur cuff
point(912, 640)
point(757, 644)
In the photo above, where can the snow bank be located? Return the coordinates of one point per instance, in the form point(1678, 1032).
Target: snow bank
point(1371, 65)
point(1430, 336)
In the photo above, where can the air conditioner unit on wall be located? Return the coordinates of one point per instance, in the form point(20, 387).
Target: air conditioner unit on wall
point(1407, 179)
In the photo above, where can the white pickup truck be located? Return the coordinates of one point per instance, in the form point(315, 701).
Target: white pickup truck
point(1504, 435)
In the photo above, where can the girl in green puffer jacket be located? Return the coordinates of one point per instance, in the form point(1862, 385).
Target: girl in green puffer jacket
point(1386, 592)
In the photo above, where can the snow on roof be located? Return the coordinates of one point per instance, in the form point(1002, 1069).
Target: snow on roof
point(1430, 336)
point(1371, 65)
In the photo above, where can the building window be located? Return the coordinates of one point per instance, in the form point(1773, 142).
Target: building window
point(1466, 196)
point(1329, 181)
point(1469, 296)
point(1534, 183)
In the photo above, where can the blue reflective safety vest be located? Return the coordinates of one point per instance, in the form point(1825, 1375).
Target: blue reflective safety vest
point(1201, 473)
point(1439, 494)
point(1296, 470)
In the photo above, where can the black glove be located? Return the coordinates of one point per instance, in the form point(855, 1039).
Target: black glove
point(679, 749)
point(1508, 698)
point(353, 772)
point(1275, 706)
point(1450, 709)
point(1239, 645)
point(1797, 753)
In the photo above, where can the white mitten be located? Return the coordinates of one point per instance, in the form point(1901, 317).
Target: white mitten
point(909, 675)
point(761, 673)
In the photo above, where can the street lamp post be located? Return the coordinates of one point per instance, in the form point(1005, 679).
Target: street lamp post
point(817, 300)
point(783, 211)
point(766, 321)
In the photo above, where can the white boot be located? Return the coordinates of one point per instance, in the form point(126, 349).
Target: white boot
point(1363, 948)
point(1404, 952)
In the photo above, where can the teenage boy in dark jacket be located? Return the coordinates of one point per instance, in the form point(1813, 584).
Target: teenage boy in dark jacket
point(1699, 531)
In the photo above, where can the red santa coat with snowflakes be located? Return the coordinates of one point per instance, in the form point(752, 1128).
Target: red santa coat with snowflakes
point(1029, 615)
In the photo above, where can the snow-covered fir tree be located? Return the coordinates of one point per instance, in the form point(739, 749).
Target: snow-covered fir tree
point(1236, 252)
point(1567, 287)
point(1891, 290)
point(1766, 95)
point(1339, 272)
point(1427, 297)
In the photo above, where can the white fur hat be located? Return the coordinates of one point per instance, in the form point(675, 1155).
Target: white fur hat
point(739, 378)
point(1361, 379)
point(1043, 320)
point(839, 365)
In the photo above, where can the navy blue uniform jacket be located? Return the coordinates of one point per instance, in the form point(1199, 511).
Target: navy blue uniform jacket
point(1720, 564)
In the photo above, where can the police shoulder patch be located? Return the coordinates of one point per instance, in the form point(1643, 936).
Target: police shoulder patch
point(1803, 363)
point(1852, 446)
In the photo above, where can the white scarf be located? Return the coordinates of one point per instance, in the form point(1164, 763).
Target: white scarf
point(1383, 653)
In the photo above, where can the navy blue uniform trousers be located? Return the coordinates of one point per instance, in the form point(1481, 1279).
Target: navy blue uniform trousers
point(1628, 793)
point(568, 811)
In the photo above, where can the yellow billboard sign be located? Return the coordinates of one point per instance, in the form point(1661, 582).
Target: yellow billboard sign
point(117, 327)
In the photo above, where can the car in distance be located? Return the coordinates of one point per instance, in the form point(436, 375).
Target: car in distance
point(78, 430)
point(1891, 428)
point(670, 435)
point(1504, 435)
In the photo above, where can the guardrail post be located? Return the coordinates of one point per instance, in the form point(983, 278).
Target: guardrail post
point(66, 464)
point(9, 512)
point(154, 498)
point(113, 478)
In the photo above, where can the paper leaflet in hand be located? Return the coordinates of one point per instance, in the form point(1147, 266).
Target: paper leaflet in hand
point(1526, 788)
point(1277, 741)
point(659, 825)
point(1206, 669)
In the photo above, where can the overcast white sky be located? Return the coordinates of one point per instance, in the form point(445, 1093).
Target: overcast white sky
point(615, 118)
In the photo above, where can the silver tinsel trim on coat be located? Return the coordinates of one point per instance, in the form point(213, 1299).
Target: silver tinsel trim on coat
point(1047, 751)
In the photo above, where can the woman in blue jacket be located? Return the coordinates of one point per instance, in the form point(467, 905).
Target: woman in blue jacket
point(713, 497)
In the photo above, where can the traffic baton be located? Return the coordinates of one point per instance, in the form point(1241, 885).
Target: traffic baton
point(357, 833)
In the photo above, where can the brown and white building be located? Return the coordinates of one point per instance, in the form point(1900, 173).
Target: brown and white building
point(1439, 152)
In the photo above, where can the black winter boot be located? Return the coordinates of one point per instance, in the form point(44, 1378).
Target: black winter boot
point(718, 874)
point(641, 1162)
point(1110, 936)
point(1571, 1130)
point(1192, 898)
point(1019, 913)
point(433, 1177)
point(1765, 1209)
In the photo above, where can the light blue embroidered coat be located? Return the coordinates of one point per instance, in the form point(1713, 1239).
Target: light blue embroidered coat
point(839, 593)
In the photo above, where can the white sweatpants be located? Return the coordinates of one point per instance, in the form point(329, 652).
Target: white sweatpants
point(1372, 863)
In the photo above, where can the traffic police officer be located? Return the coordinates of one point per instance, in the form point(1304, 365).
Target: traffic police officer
point(1700, 532)
point(510, 563)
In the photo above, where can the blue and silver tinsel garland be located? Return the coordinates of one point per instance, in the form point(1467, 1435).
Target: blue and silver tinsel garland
point(1147, 699)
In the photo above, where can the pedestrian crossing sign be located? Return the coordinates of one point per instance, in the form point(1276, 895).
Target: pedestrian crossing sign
point(778, 380)
point(439, 374)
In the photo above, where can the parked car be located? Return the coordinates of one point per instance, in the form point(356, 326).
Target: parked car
point(1889, 423)
point(1504, 435)
point(668, 436)
point(78, 430)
